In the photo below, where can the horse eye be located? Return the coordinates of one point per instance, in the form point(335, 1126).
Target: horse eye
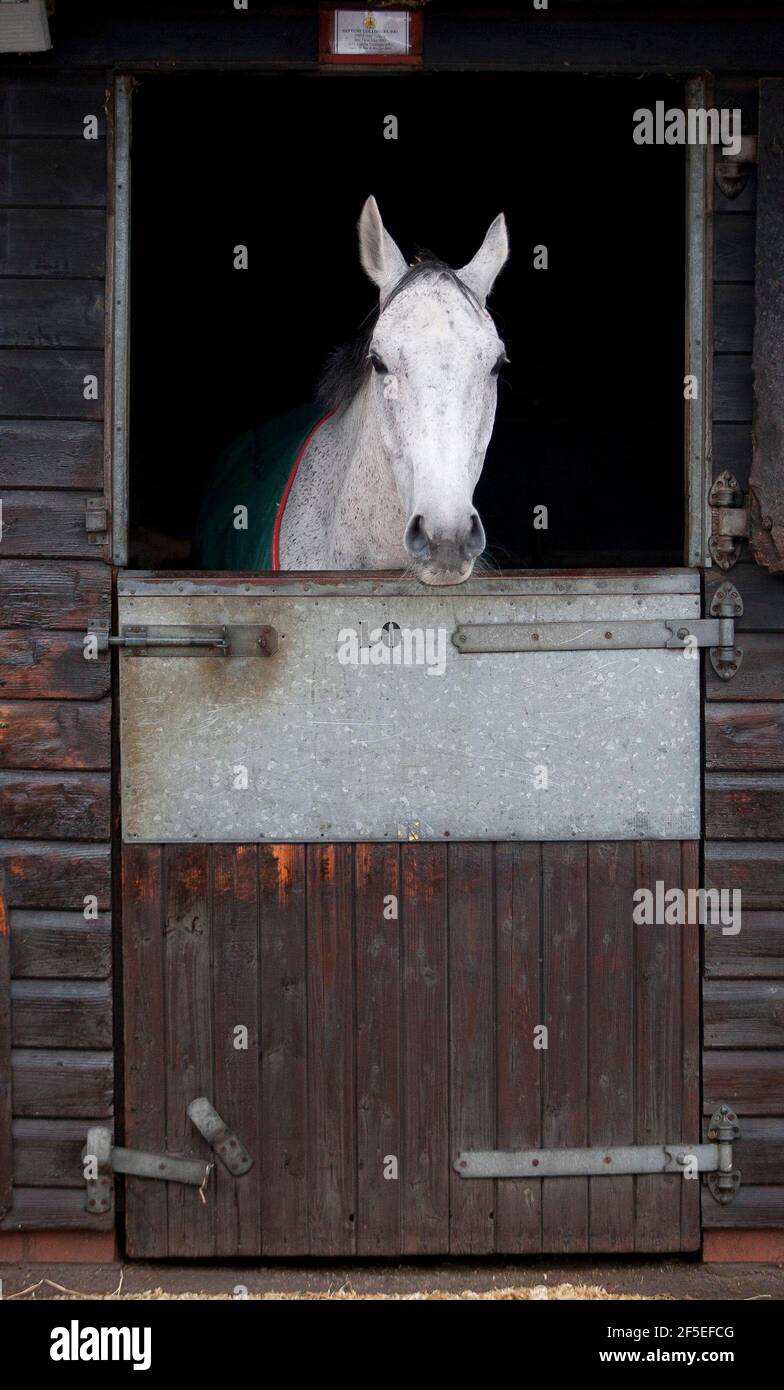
point(499, 364)
point(376, 363)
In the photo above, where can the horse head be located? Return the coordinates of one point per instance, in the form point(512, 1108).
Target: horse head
point(435, 357)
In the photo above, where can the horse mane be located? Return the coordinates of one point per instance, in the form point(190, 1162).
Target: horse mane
point(347, 367)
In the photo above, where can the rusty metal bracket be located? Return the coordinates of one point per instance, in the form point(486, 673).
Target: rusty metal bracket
point(96, 520)
point(726, 656)
point(729, 520)
point(230, 1150)
point(732, 171)
point(135, 1163)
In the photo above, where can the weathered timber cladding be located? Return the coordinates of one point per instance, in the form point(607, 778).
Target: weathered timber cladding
point(766, 484)
point(743, 1007)
point(371, 1036)
point(55, 712)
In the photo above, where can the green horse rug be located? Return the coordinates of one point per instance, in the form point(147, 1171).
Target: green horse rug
point(239, 525)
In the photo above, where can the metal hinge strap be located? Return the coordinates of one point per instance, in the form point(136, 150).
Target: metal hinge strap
point(673, 634)
point(714, 1159)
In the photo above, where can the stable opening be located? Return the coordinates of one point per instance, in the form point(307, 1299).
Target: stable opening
point(589, 421)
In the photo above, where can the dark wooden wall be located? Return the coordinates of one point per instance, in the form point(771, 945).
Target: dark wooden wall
point(55, 707)
point(743, 991)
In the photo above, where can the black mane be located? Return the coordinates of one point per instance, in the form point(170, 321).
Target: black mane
point(347, 367)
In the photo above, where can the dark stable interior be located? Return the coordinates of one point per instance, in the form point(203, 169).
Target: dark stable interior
point(590, 410)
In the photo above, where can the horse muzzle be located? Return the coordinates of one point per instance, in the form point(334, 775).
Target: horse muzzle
point(443, 557)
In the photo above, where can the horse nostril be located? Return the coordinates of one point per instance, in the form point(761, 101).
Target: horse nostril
point(475, 540)
point(416, 539)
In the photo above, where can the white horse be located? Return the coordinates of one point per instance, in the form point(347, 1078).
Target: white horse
point(387, 481)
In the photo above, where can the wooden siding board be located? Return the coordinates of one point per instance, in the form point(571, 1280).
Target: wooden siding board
point(731, 454)
point(50, 665)
point(51, 453)
point(757, 869)
point(732, 386)
point(188, 930)
point(752, 1208)
point(331, 1063)
point(53, 173)
point(379, 1119)
point(52, 734)
point(54, 593)
point(751, 1082)
point(37, 313)
point(50, 382)
point(60, 945)
point(565, 1214)
point(235, 977)
point(659, 1051)
point(766, 488)
point(733, 247)
point(691, 1046)
point(739, 805)
point(733, 317)
point(756, 952)
point(761, 675)
point(58, 1209)
point(744, 737)
point(611, 967)
point(759, 1152)
point(55, 806)
point(53, 241)
point(472, 1044)
point(284, 1050)
point(518, 1219)
point(48, 1153)
point(61, 1013)
point(6, 1151)
point(743, 1013)
point(56, 876)
point(51, 1084)
point(52, 104)
point(42, 523)
point(144, 1120)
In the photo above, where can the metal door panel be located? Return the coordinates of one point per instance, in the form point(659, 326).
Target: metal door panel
point(392, 752)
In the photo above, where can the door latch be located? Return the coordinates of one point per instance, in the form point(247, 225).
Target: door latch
point(172, 639)
point(102, 1160)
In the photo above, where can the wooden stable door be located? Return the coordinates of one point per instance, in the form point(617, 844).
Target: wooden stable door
point(355, 1052)
point(378, 907)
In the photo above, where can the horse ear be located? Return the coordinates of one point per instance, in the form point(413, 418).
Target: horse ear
point(480, 273)
point(381, 258)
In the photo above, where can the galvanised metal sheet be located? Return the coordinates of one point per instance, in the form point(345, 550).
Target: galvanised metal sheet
point(326, 740)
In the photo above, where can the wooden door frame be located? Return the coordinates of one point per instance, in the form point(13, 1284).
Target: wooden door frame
point(698, 325)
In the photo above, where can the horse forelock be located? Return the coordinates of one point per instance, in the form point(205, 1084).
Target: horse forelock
point(347, 367)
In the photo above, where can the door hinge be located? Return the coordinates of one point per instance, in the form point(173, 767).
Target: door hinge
point(102, 1160)
point(673, 634)
point(729, 520)
point(96, 520)
point(138, 639)
point(714, 1159)
point(732, 170)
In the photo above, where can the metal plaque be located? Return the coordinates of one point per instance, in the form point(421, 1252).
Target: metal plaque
point(368, 722)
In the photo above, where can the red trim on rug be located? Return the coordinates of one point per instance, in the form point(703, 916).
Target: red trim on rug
point(287, 489)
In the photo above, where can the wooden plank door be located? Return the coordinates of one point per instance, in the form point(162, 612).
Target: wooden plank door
point(361, 1013)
